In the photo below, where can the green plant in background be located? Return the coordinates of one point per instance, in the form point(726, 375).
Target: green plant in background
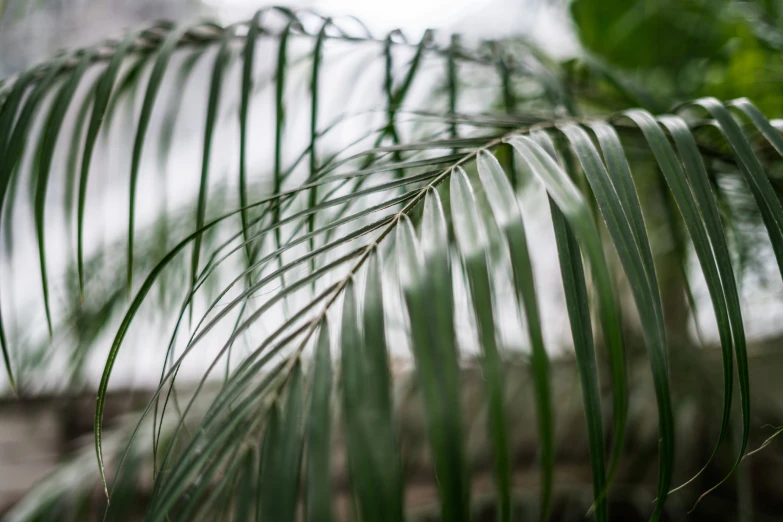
point(399, 233)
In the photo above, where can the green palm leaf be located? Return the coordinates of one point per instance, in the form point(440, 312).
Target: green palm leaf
point(383, 237)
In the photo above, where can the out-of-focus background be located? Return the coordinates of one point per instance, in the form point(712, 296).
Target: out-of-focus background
point(31, 30)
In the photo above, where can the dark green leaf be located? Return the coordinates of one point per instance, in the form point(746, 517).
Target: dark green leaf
point(319, 479)
point(100, 105)
point(576, 213)
point(711, 249)
point(426, 282)
point(281, 454)
point(45, 153)
point(371, 443)
point(620, 208)
point(153, 86)
point(254, 28)
point(508, 216)
point(471, 239)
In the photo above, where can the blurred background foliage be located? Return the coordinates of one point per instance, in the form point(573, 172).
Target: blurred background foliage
point(684, 49)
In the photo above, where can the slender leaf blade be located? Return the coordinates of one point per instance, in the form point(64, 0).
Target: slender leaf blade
point(472, 242)
point(46, 148)
point(101, 98)
point(150, 96)
point(713, 254)
point(281, 454)
point(622, 214)
point(566, 197)
point(508, 216)
point(319, 490)
point(428, 299)
point(216, 82)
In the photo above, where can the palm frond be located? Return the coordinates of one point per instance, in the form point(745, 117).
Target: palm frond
point(407, 238)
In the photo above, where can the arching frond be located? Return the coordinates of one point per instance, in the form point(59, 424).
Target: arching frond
point(397, 233)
